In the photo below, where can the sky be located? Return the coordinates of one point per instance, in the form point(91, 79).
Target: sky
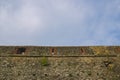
point(60, 22)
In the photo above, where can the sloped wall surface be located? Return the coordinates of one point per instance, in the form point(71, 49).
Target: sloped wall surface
point(59, 63)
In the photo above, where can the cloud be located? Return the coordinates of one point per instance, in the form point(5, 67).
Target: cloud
point(59, 22)
point(23, 18)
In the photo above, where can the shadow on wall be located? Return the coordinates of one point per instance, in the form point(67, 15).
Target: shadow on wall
point(21, 50)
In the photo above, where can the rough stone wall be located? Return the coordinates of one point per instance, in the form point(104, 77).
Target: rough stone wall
point(61, 51)
point(68, 67)
point(80, 68)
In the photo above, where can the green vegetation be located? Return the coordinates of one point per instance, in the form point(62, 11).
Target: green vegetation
point(44, 61)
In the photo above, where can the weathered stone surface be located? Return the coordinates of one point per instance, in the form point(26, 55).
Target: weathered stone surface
point(60, 68)
point(58, 51)
point(84, 68)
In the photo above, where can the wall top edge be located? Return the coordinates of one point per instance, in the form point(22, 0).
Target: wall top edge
point(54, 46)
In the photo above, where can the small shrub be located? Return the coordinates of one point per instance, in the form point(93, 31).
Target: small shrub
point(44, 61)
point(111, 66)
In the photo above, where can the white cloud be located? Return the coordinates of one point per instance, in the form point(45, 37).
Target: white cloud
point(24, 18)
point(27, 18)
point(59, 21)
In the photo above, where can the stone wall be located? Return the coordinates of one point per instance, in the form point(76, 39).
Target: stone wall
point(39, 64)
point(60, 51)
point(51, 68)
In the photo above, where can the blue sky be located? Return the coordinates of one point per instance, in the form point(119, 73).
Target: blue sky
point(60, 22)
